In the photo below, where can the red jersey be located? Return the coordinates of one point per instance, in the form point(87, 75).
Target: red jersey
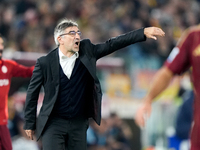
point(9, 69)
point(185, 55)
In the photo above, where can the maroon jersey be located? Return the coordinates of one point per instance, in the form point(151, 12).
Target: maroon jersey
point(185, 55)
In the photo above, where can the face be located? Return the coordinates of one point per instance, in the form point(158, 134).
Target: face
point(69, 42)
point(1, 47)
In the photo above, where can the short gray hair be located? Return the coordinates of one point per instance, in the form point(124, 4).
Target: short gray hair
point(60, 28)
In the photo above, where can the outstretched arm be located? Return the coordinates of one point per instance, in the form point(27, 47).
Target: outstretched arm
point(19, 70)
point(160, 83)
point(121, 41)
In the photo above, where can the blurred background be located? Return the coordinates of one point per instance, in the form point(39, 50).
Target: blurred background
point(125, 75)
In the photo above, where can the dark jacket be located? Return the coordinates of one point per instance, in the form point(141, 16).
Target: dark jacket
point(46, 74)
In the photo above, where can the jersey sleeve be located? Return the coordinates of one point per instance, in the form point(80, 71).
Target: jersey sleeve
point(20, 70)
point(178, 60)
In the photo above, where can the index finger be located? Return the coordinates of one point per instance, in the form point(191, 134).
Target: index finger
point(160, 31)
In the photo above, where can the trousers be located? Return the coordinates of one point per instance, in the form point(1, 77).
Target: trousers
point(65, 134)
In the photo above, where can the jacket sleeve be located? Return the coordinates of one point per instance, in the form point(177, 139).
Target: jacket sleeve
point(33, 91)
point(20, 70)
point(119, 42)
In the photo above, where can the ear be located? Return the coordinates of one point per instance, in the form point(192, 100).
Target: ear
point(60, 40)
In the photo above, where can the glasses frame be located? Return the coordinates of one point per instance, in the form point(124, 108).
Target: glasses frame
point(72, 33)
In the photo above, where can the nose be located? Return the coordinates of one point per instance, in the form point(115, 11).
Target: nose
point(77, 36)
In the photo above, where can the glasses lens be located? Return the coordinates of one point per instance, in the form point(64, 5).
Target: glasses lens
point(72, 33)
point(79, 33)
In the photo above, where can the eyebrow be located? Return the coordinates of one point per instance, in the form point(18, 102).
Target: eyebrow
point(74, 31)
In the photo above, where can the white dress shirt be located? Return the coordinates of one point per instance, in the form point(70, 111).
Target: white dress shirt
point(67, 63)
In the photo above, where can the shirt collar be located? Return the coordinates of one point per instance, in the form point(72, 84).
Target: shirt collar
point(63, 57)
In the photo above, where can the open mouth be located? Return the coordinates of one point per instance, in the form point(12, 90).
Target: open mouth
point(77, 43)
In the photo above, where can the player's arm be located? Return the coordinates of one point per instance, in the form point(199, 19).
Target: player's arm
point(176, 63)
point(160, 82)
point(19, 70)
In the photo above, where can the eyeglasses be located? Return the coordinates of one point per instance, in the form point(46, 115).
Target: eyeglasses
point(72, 33)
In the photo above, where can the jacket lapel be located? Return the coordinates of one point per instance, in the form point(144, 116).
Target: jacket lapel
point(84, 59)
point(54, 63)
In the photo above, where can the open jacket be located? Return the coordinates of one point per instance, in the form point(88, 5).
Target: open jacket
point(46, 74)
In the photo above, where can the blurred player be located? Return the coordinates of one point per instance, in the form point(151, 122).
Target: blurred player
point(185, 55)
point(8, 69)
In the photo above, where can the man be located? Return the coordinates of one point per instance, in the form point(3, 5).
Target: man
point(72, 89)
point(185, 55)
point(8, 69)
